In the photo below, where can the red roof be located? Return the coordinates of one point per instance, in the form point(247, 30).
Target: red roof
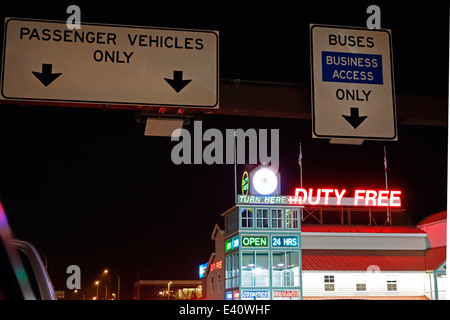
point(440, 216)
point(434, 257)
point(360, 260)
point(360, 229)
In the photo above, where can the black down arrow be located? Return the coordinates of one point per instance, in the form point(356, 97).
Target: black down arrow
point(354, 119)
point(177, 83)
point(46, 76)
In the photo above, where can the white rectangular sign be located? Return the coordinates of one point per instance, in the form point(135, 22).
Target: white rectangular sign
point(47, 61)
point(352, 84)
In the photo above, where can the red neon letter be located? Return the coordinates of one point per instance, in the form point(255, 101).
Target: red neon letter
point(383, 195)
point(357, 196)
point(327, 193)
point(339, 196)
point(371, 195)
point(305, 194)
point(395, 198)
point(310, 197)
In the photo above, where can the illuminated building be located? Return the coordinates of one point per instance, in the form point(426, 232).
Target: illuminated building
point(265, 252)
point(167, 290)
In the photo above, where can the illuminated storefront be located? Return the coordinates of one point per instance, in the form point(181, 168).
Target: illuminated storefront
point(265, 253)
point(262, 242)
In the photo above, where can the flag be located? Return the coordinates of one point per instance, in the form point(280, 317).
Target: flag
point(300, 156)
point(385, 160)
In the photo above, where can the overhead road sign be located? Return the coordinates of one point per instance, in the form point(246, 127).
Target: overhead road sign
point(109, 64)
point(352, 83)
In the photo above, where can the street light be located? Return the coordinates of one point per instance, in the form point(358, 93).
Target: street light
point(118, 282)
point(76, 291)
point(168, 290)
point(106, 288)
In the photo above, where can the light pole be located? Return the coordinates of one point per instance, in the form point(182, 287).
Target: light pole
point(118, 282)
point(84, 297)
point(168, 290)
point(106, 289)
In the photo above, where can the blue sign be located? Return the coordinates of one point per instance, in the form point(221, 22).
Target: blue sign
point(229, 295)
point(352, 67)
point(289, 241)
point(235, 242)
point(255, 294)
point(202, 269)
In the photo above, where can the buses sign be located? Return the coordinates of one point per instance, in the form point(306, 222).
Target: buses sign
point(352, 91)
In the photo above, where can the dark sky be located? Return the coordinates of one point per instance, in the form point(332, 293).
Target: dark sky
point(87, 188)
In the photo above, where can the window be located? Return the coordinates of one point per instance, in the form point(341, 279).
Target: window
point(262, 218)
point(228, 271)
point(232, 270)
point(361, 284)
point(255, 269)
point(277, 218)
point(236, 268)
point(391, 283)
point(285, 269)
point(231, 222)
point(247, 218)
point(219, 283)
point(212, 284)
point(292, 218)
point(329, 283)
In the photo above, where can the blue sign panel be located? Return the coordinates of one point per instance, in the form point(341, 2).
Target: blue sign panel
point(202, 269)
point(289, 241)
point(255, 294)
point(229, 295)
point(352, 67)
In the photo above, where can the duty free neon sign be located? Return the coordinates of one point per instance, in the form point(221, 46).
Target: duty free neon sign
point(329, 197)
point(361, 197)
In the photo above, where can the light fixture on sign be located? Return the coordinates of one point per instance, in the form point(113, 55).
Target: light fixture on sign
point(265, 181)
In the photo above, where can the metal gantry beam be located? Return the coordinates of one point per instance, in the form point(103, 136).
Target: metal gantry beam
point(271, 99)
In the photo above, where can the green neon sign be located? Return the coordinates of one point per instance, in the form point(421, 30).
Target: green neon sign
point(232, 244)
point(245, 183)
point(255, 241)
point(228, 245)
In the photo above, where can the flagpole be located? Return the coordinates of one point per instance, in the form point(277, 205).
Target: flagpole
point(235, 177)
point(300, 164)
point(300, 156)
point(386, 180)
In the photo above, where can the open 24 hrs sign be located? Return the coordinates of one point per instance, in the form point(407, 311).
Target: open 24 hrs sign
point(352, 91)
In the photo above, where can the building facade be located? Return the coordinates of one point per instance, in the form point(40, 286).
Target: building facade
point(262, 252)
point(266, 253)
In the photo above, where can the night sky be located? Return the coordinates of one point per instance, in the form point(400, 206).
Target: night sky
point(88, 188)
